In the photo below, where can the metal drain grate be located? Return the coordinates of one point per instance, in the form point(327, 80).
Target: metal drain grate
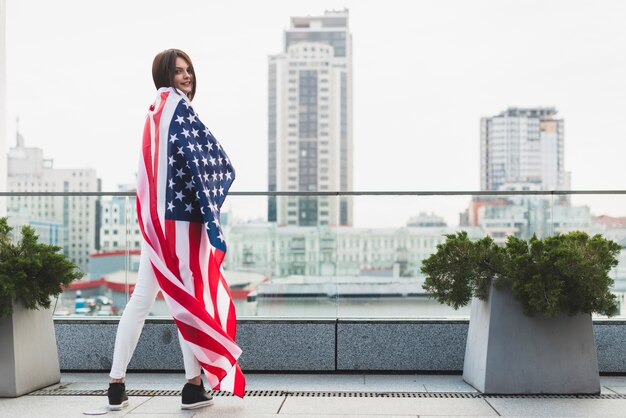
point(67, 392)
point(383, 395)
point(548, 396)
point(604, 396)
point(62, 391)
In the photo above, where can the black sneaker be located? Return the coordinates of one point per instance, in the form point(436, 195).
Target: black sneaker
point(194, 396)
point(118, 398)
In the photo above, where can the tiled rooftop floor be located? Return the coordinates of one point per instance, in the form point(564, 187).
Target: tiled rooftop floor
point(363, 396)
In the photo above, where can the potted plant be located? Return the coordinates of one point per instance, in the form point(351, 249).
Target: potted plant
point(30, 274)
point(530, 326)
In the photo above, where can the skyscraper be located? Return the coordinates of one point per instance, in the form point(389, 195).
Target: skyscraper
point(523, 146)
point(310, 121)
point(3, 102)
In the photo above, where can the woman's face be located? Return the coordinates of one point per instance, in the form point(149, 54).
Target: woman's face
point(183, 79)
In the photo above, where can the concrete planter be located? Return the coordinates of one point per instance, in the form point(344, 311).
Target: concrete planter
point(510, 353)
point(28, 352)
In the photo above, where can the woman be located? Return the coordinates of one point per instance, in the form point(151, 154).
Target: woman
point(182, 182)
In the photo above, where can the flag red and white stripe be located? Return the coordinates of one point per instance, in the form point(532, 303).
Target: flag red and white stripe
point(187, 265)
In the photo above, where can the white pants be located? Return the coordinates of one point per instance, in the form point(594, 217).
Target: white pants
point(132, 321)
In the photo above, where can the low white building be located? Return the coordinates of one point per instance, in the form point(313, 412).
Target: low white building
point(524, 216)
point(280, 251)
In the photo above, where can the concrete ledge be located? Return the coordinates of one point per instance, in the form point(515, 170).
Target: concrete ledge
point(88, 345)
point(310, 345)
point(401, 345)
point(611, 345)
point(287, 345)
point(283, 345)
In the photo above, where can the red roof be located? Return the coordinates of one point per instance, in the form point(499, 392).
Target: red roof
point(610, 221)
point(121, 287)
point(114, 253)
point(102, 281)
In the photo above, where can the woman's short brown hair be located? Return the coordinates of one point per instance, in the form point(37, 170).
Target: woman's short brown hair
point(164, 69)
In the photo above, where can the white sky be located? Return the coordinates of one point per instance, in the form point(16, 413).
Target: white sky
point(79, 77)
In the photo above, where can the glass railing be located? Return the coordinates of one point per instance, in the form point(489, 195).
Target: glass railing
point(312, 255)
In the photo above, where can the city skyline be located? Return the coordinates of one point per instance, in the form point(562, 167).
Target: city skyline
point(90, 228)
point(426, 74)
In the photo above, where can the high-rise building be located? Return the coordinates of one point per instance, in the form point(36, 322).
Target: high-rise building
point(523, 146)
point(73, 221)
point(119, 228)
point(310, 121)
point(3, 102)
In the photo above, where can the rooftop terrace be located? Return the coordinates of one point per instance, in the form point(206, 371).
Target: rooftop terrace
point(314, 395)
point(325, 356)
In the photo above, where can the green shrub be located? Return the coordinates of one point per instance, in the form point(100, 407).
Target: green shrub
point(565, 273)
point(31, 272)
point(461, 268)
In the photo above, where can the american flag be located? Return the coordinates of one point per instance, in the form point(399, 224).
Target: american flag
point(184, 176)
